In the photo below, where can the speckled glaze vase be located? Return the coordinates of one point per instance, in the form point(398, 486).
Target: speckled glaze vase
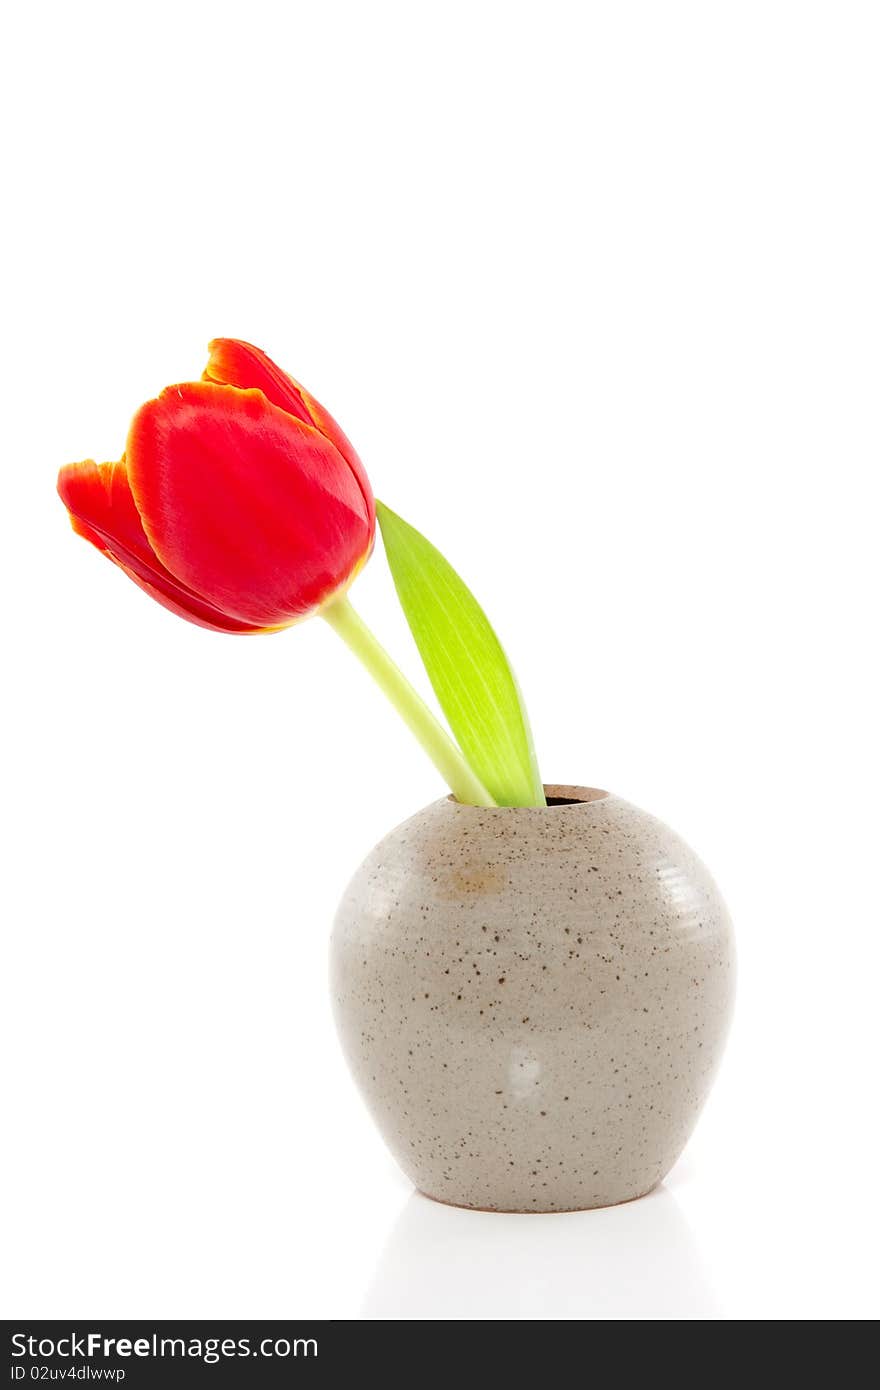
point(533, 1002)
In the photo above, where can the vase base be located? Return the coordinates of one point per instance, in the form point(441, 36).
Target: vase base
point(538, 1211)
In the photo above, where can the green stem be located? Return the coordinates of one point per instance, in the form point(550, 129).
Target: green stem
point(412, 709)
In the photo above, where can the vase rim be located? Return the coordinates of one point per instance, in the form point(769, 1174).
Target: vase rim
point(558, 794)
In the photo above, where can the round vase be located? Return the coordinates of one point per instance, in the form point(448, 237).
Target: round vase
point(533, 1002)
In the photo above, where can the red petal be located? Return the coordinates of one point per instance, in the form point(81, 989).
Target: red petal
point(236, 363)
point(102, 510)
point(244, 503)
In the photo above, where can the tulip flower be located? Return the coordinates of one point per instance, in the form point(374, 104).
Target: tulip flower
point(240, 505)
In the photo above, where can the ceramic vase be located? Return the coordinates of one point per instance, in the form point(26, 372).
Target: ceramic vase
point(533, 1002)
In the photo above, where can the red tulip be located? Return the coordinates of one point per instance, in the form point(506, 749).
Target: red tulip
point(239, 503)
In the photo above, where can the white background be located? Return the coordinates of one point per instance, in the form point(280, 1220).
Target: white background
point(594, 288)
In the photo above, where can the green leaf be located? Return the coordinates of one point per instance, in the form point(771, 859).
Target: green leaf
point(466, 664)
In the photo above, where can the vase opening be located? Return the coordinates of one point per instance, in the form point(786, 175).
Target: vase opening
point(567, 795)
point(556, 794)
